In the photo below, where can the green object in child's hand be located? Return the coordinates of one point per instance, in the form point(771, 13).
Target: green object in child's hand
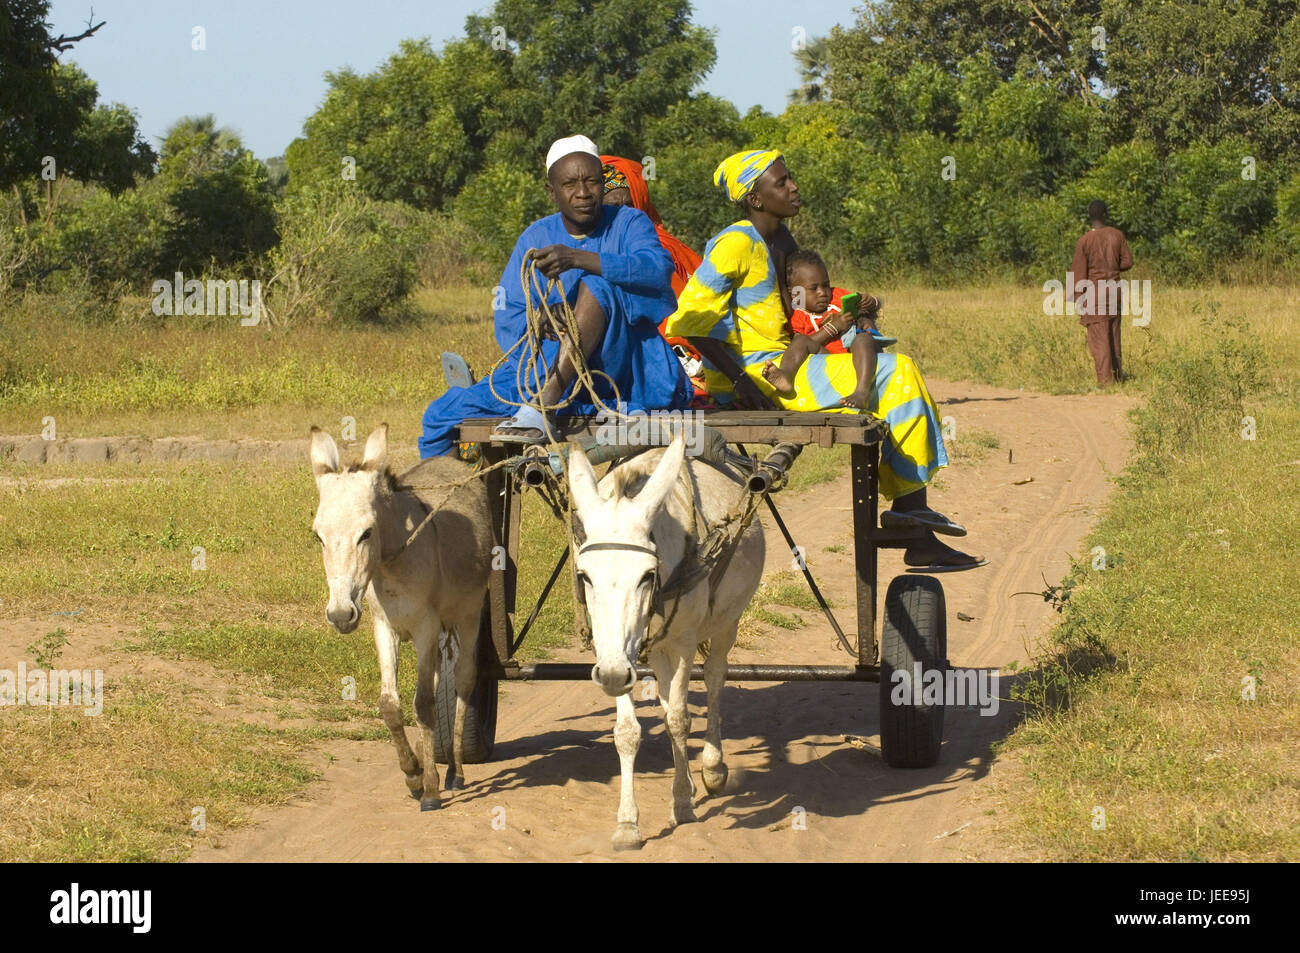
point(849, 304)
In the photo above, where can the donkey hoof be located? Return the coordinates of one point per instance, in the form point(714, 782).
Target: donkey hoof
point(628, 837)
point(430, 804)
point(684, 815)
point(715, 779)
point(453, 782)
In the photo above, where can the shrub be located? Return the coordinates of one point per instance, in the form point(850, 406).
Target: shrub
point(343, 256)
point(105, 241)
point(1198, 396)
point(497, 204)
point(1286, 224)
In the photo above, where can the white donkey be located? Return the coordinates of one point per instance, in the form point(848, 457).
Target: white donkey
point(639, 525)
point(434, 585)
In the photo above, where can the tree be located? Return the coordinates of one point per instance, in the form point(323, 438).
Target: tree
point(38, 117)
point(1051, 39)
point(1184, 73)
point(220, 197)
point(524, 75)
point(412, 131)
point(814, 72)
point(1171, 73)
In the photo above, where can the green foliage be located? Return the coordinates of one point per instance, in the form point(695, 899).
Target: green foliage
point(428, 125)
point(41, 103)
point(893, 36)
point(1129, 179)
point(105, 239)
point(106, 146)
point(220, 198)
point(1287, 223)
point(344, 256)
point(47, 649)
point(603, 68)
point(958, 139)
point(495, 206)
point(1198, 397)
point(210, 208)
point(412, 128)
point(1184, 73)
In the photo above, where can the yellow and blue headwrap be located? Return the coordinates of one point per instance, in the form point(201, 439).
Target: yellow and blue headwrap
point(736, 174)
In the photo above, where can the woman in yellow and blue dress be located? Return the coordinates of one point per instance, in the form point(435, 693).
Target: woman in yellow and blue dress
point(734, 310)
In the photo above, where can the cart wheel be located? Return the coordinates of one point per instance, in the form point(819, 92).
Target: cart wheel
point(915, 630)
point(480, 712)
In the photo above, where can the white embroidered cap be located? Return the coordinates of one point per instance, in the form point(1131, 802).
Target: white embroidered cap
point(569, 145)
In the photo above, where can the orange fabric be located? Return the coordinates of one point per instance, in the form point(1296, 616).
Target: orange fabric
point(685, 261)
point(636, 184)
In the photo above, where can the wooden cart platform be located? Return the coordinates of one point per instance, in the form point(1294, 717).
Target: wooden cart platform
point(862, 432)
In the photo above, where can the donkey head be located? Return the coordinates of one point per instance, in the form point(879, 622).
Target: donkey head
point(346, 522)
point(618, 566)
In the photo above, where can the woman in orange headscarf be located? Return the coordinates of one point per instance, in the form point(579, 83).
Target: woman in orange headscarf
point(625, 185)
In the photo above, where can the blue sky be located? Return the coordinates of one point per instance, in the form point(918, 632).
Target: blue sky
point(263, 70)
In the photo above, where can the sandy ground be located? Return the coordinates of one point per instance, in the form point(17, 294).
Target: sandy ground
point(799, 788)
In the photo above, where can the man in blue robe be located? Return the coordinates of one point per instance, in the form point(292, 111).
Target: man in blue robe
point(615, 275)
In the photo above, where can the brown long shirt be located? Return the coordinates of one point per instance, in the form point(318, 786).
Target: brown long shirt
point(1099, 255)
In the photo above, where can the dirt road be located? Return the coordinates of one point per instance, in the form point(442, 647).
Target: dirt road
point(798, 790)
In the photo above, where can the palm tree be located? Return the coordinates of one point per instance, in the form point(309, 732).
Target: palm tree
point(206, 143)
point(814, 72)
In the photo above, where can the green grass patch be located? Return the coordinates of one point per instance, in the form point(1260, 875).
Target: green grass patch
point(1167, 696)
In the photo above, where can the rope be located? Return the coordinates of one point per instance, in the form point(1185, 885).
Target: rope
point(451, 488)
point(531, 370)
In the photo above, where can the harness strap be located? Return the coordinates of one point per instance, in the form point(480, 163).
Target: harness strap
point(629, 547)
point(708, 553)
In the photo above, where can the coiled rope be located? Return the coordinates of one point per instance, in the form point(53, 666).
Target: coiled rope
point(531, 369)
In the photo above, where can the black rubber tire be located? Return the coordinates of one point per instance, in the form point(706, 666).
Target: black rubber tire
point(915, 629)
point(480, 712)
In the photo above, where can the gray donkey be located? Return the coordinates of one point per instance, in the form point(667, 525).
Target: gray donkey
point(416, 593)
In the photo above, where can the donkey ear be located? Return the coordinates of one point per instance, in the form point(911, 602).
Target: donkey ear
point(324, 453)
point(376, 454)
point(582, 480)
point(661, 482)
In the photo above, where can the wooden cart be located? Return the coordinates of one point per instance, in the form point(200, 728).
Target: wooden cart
point(913, 630)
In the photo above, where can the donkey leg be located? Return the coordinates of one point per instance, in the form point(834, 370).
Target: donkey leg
point(466, 634)
point(627, 739)
point(673, 672)
point(714, 769)
point(426, 648)
point(390, 704)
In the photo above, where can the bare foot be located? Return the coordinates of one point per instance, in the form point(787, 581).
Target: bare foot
point(859, 399)
point(776, 377)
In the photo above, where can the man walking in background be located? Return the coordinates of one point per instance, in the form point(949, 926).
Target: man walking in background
point(1099, 256)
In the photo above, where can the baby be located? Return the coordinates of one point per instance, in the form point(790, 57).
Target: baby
point(820, 323)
